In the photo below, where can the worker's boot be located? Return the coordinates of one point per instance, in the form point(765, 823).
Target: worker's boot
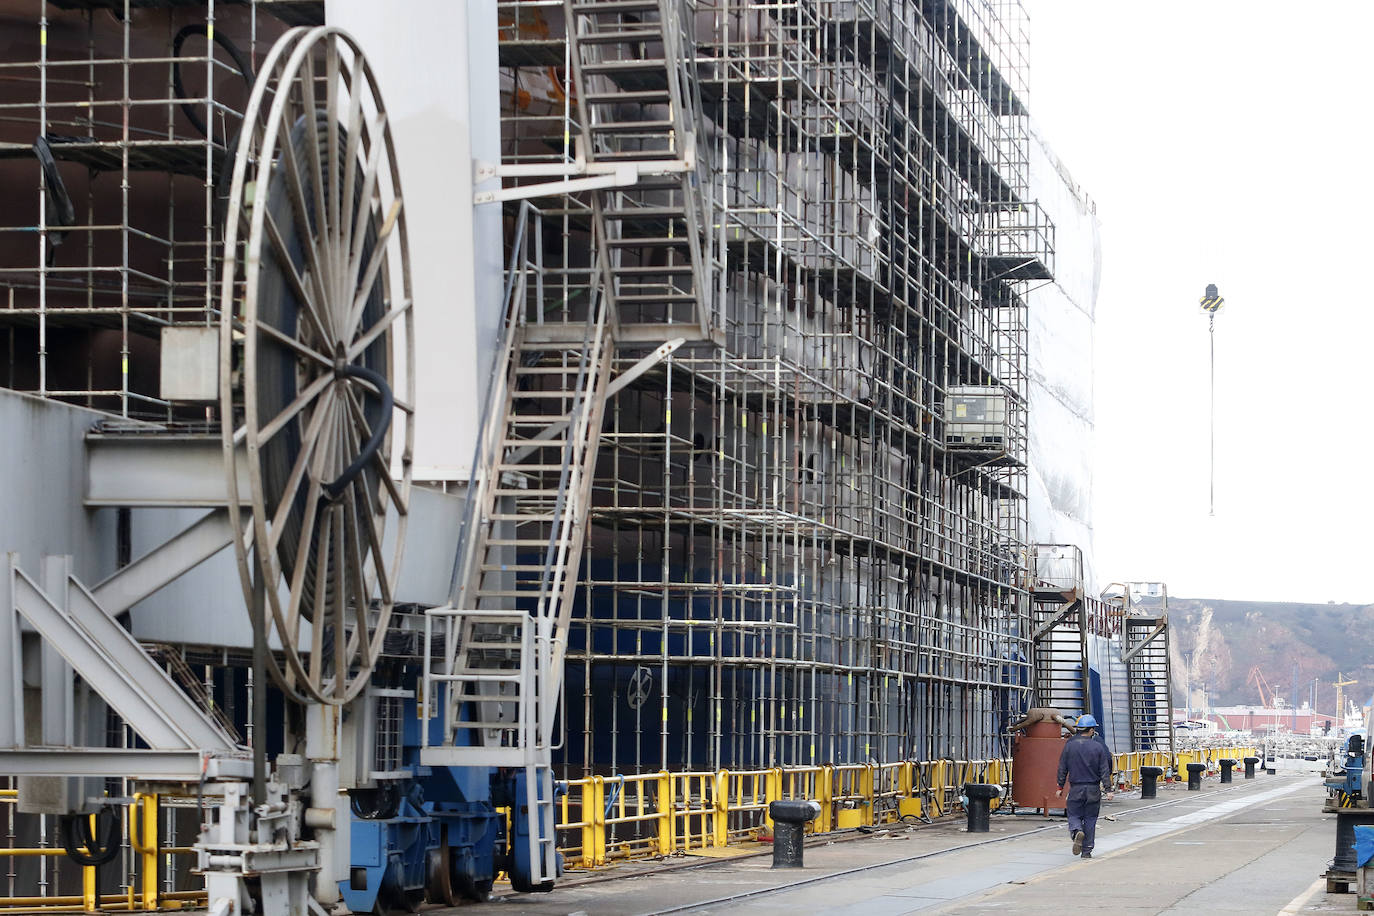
point(1087, 854)
point(1077, 842)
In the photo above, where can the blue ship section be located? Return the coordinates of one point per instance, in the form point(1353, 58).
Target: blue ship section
point(669, 704)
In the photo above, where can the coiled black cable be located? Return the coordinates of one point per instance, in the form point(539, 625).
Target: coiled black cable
point(374, 443)
point(179, 89)
point(76, 835)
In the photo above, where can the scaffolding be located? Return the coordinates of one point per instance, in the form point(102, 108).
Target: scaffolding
point(118, 124)
point(791, 560)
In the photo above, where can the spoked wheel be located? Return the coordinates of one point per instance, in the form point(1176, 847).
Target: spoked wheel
point(312, 340)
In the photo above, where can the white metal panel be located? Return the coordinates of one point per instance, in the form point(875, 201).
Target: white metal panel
point(1060, 326)
point(436, 63)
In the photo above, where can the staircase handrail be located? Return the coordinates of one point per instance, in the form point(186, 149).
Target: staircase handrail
point(486, 451)
point(554, 617)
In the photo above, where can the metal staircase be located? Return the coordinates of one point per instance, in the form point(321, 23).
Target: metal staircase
point(499, 678)
point(1059, 629)
point(633, 66)
point(1145, 650)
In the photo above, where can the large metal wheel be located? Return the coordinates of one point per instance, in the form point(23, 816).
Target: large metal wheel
point(313, 341)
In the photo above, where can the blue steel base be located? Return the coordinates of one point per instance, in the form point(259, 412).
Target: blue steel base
point(397, 861)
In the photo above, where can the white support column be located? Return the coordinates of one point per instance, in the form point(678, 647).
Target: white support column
point(11, 662)
point(328, 815)
point(57, 713)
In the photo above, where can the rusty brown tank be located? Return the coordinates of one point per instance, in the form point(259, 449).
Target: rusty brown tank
point(1035, 766)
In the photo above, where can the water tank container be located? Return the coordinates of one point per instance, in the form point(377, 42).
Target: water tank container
point(976, 418)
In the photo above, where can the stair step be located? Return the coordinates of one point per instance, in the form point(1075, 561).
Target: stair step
point(620, 98)
point(634, 127)
point(635, 155)
point(486, 724)
point(531, 592)
point(608, 6)
point(637, 36)
point(630, 213)
point(637, 65)
point(651, 298)
point(676, 270)
point(592, 7)
point(649, 241)
point(542, 420)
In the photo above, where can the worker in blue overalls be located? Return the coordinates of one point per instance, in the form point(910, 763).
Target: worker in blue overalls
point(1088, 767)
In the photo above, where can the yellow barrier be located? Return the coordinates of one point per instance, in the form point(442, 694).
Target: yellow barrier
point(1128, 765)
point(608, 818)
point(142, 825)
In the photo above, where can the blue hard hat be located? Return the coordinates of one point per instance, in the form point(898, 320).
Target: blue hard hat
point(1085, 722)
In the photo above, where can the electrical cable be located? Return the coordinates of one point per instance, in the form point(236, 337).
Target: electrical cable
point(179, 89)
point(374, 443)
point(76, 835)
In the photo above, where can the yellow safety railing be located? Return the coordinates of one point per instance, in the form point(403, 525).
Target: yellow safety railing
point(141, 822)
point(611, 818)
point(603, 819)
point(1128, 765)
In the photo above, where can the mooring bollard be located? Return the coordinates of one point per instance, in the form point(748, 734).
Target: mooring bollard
point(1195, 776)
point(1250, 767)
point(1346, 821)
point(1148, 777)
point(1226, 764)
point(980, 796)
point(789, 817)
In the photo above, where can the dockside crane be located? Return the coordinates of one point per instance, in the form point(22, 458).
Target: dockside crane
point(1340, 683)
point(1266, 694)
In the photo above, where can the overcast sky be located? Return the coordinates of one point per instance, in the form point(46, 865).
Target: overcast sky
point(1227, 142)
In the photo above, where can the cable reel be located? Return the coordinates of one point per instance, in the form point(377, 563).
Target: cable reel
point(316, 350)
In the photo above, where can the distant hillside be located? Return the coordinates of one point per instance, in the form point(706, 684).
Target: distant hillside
point(1219, 642)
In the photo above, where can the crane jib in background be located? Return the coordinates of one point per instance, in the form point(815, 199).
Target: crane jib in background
point(1212, 302)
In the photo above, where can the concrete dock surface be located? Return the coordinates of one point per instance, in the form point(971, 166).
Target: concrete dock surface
point(1256, 846)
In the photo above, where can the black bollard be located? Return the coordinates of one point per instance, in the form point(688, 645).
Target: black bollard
point(980, 796)
point(1346, 820)
point(1148, 777)
point(1226, 764)
point(789, 817)
point(1195, 776)
point(1250, 767)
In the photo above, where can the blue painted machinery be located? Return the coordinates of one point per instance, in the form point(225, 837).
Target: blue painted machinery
point(433, 834)
point(1346, 785)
